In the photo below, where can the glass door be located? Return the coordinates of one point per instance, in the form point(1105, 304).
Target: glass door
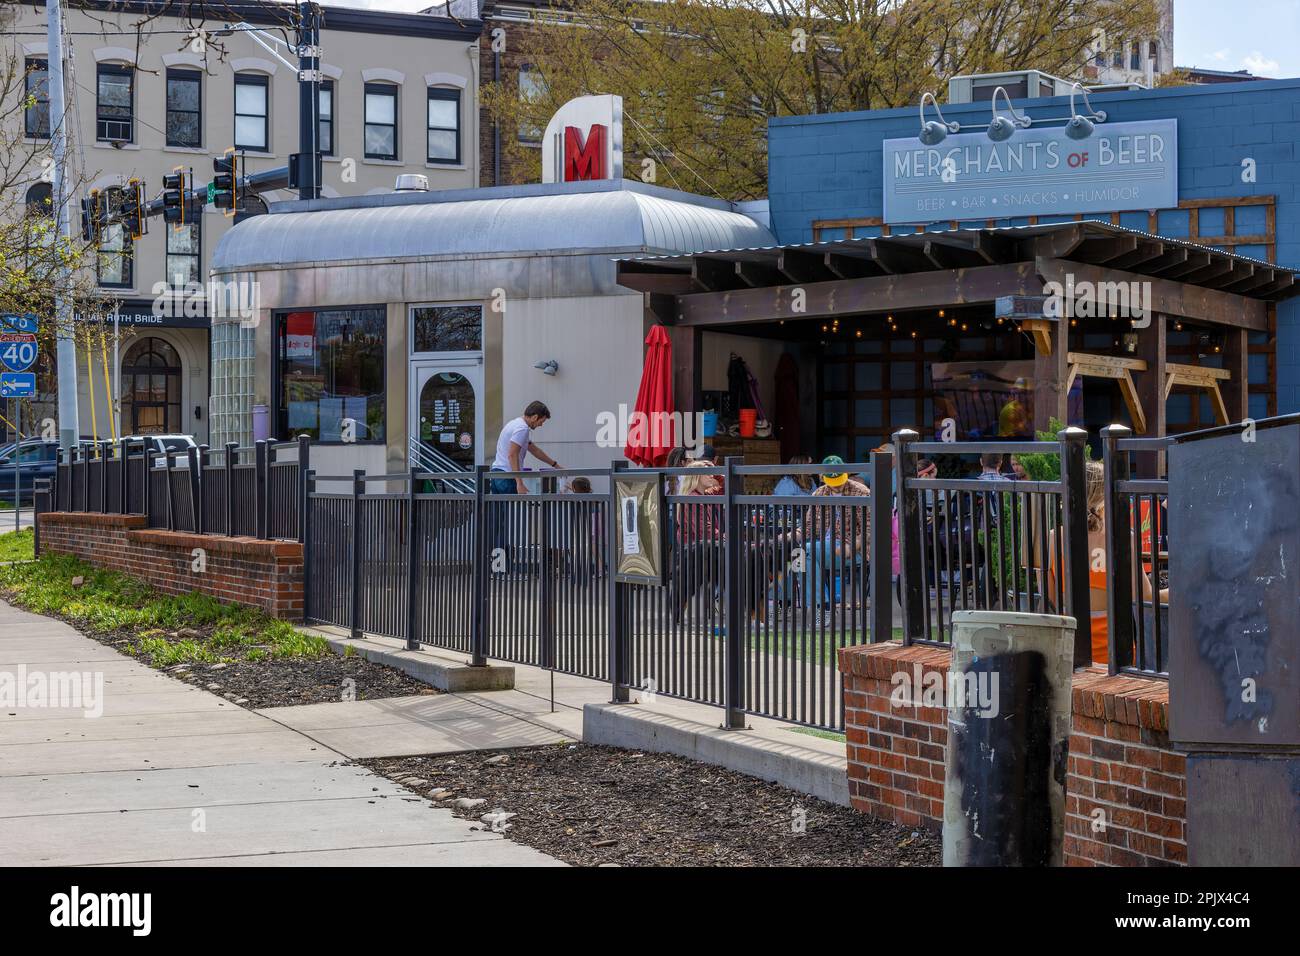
point(446, 412)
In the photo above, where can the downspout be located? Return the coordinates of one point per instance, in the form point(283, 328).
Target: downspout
point(496, 123)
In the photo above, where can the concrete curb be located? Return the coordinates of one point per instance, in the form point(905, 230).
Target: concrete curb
point(638, 728)
point(449, 677)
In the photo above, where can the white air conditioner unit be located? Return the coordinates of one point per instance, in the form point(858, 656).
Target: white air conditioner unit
point(1019, 84)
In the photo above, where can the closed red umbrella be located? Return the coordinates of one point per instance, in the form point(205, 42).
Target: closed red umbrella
point(651, 429)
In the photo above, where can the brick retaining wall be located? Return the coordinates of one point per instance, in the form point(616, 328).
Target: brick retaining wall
point(261, 574)
point(1120, 759)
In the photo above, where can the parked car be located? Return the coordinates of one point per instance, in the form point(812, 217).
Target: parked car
point(36, 458)
point(161, 444)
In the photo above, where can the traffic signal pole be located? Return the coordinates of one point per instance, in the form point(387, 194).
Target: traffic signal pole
point(66, 351)
point(308, 173)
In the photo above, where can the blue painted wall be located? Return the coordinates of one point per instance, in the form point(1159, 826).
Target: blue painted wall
point(829, 167)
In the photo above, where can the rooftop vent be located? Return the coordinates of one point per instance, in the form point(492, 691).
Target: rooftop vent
point(412, 183)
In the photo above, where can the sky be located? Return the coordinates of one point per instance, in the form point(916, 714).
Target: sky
point(1256, 35)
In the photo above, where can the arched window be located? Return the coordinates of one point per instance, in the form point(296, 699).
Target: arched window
point(151, 388)
point(40, 200)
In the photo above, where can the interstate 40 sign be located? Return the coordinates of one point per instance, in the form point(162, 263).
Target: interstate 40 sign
point(18, 352)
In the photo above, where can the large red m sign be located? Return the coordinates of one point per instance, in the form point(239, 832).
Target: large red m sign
point(583, 161)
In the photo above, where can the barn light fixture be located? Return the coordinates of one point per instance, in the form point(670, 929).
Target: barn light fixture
point(1005, 122)
point(1001, 128)
point(933, 133)
point(1081, 126)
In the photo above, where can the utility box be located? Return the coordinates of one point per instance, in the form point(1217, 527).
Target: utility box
point(1234, 588)
point(1234, 655)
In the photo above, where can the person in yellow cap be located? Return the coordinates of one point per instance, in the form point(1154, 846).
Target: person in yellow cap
point(829, 538)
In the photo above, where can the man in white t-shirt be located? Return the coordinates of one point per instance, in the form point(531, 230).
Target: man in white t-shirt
point(514, 444)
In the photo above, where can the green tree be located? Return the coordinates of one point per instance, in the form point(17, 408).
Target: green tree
point(700, 79)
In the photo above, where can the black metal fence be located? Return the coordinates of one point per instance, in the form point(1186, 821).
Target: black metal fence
point(1000, 545)
point(761, 591)
point(254, 492)
point(1137, 549)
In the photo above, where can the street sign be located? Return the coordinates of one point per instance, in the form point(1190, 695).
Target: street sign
point(17, 351)
point(17, 384)
point(10, 322)
point(212, 192)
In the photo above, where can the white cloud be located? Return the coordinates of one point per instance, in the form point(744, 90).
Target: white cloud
point(1260, 65)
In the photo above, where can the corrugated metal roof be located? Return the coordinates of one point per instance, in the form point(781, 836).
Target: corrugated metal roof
point(612, 220)
point(917, 238)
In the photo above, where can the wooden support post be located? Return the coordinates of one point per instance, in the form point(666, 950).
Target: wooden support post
point(688, 365)
point(1051, 372)
point(1236, 390)
point(1152, 348)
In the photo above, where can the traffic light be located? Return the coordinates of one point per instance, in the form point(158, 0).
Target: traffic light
point(225, 182)
point(134, 221)
point(174, 197)
point(90, 217)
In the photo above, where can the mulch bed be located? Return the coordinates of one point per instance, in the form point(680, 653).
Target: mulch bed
point(593, 805)
point(285, 682)
point(279, 682)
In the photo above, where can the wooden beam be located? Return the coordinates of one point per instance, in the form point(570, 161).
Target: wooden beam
point(1192, 302)
point(1145, 252)
point(1208, 274)
point(1101, 250)
point(716, 275)
point(844, 266)
point(948, 254)
point(757, 275)
point(666, 283)
point(900, 257)
point(1170, 260)
point(1107, 366)
point(1128, 391)
point(1195, 261)
point(660, 308)
point(799, 265)
point(1041, 330)
point(1059, 244)
point(840, 297)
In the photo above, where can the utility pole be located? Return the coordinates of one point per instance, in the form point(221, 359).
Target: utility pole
point(69, 426)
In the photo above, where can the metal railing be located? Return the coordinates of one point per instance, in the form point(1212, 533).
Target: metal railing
point(762, 591)
point(1137, 551)
point(254, 492)
point(1005, 545)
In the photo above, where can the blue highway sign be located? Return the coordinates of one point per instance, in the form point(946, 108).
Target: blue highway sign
point(17, 384)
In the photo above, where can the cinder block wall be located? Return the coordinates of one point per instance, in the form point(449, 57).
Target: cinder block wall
point(261, 574)
point(1120, 759)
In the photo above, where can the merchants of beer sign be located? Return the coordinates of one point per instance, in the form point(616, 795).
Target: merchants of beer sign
point(1037, 172)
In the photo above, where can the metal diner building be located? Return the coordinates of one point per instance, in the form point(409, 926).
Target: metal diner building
point(429, 318)
point(975, 298)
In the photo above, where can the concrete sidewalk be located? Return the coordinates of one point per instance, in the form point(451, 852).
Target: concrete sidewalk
point(768, 749)
point(171, 774)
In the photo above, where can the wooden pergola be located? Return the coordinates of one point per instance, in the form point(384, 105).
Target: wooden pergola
point(1004, 269)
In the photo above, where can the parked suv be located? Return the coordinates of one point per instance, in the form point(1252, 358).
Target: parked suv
point(36, 458)
point(161, 444)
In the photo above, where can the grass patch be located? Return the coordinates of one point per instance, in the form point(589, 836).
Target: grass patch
point(18, 545)
point(814, 732)
point(161, 629)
